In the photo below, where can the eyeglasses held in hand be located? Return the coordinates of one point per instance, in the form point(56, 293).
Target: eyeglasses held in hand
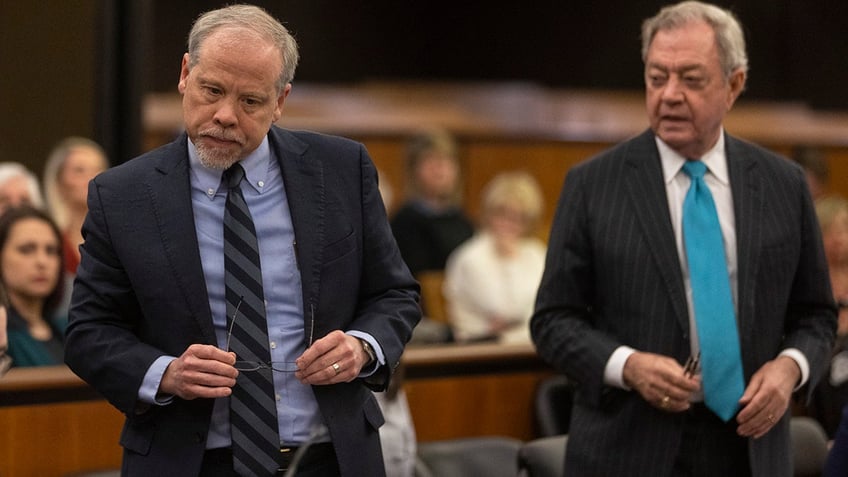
point(241, 365)
point(692, 366)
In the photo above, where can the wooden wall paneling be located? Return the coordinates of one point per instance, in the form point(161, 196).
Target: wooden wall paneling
point(547, 161)
point(482, 405)
point(837, 161)
point(51, 440)
point(388, 156)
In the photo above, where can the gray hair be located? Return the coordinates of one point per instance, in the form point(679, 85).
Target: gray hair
point(728, 32)
point(247, 17)
point(13, 170)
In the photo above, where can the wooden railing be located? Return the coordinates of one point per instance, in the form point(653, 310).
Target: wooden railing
point(53, 424)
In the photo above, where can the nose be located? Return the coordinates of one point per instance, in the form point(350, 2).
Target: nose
point(672, 91)
point(225, 115)
point(42, 257)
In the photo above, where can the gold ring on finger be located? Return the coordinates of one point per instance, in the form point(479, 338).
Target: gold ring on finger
point(665, 402)
point(336, 367)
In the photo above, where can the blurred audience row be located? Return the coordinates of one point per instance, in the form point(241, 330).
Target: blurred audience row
point(39, 250)
point(487, 272)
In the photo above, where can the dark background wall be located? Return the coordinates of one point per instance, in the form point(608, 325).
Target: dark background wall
point(80, 67)
point(796, 47)
point(47, 76)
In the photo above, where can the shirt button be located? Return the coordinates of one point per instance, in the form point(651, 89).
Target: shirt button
point(277, 397)
point(273, 345)
point(261, 183)
point(210, 192)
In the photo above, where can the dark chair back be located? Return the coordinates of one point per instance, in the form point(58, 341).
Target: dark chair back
point(553, 402)
point(473, 456)
point(543, 457)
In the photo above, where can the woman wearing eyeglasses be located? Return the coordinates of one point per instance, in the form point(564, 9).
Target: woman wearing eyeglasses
point(31, 272)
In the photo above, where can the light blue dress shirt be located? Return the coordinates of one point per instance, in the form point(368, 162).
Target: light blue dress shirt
point(264, 191)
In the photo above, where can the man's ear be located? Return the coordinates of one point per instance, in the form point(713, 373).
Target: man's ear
point(181, 86)
point(281, 100)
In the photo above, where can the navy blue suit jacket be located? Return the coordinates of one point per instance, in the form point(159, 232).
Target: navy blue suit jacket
point(140, 292)
point(613, 278)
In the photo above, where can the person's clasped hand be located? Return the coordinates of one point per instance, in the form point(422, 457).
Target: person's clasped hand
point(661, 381)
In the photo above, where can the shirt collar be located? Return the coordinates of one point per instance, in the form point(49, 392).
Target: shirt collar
point(714, 159)
point(255, 166)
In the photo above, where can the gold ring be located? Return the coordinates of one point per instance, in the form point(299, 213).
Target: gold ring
point(665, 401)
point(336, 367)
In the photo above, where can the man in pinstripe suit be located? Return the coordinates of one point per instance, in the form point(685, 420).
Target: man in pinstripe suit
point(614, 310)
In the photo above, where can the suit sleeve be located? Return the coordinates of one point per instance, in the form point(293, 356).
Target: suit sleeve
point(101, 344)
point(810, 322)
point(387, 308)
point(563, 325)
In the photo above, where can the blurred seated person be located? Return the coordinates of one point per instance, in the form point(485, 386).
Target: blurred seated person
point(431, 224)
point(5, 360)
point(832, 212)
point(31, 273)
point(836, 464)
point(812, 160)
point(73, 162)
point(18, 186)
point(831, 394)
point(491, 280)
point(397, 434)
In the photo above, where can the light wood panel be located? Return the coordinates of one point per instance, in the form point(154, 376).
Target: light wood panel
point(52, 424)
point(500, 404)
point(52, 440)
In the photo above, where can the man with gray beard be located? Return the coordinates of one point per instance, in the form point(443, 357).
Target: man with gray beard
point(240, 293)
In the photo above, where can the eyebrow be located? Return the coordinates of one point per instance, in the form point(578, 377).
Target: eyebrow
point(682, 69)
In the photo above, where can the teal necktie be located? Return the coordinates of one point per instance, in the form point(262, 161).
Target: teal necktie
point(721, 361)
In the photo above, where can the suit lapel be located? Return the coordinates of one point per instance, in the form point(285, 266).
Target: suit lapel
point(170, 196)
point(746, 186)
point(303, 176)
point(647, 192)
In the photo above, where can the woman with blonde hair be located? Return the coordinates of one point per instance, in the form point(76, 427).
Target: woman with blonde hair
point(832, 213)
point(831, 394)
point(73, 162)
point(491, 280)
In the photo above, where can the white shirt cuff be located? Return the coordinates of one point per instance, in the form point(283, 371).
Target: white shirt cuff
point(802, 362)
point(614, 370)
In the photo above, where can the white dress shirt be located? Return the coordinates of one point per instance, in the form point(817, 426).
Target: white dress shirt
point(677, 184)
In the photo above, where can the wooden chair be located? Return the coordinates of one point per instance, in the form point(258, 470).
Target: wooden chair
point(432, 298)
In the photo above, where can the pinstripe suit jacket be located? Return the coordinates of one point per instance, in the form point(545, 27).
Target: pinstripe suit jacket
point(613, 278)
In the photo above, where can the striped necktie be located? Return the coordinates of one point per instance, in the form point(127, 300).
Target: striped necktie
point(715, 316)
point(253, 412)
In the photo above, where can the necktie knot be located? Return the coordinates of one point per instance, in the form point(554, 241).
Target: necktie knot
point(233, 175)
point(695, 169)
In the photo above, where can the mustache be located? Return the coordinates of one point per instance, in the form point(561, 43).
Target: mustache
point(222, 134)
